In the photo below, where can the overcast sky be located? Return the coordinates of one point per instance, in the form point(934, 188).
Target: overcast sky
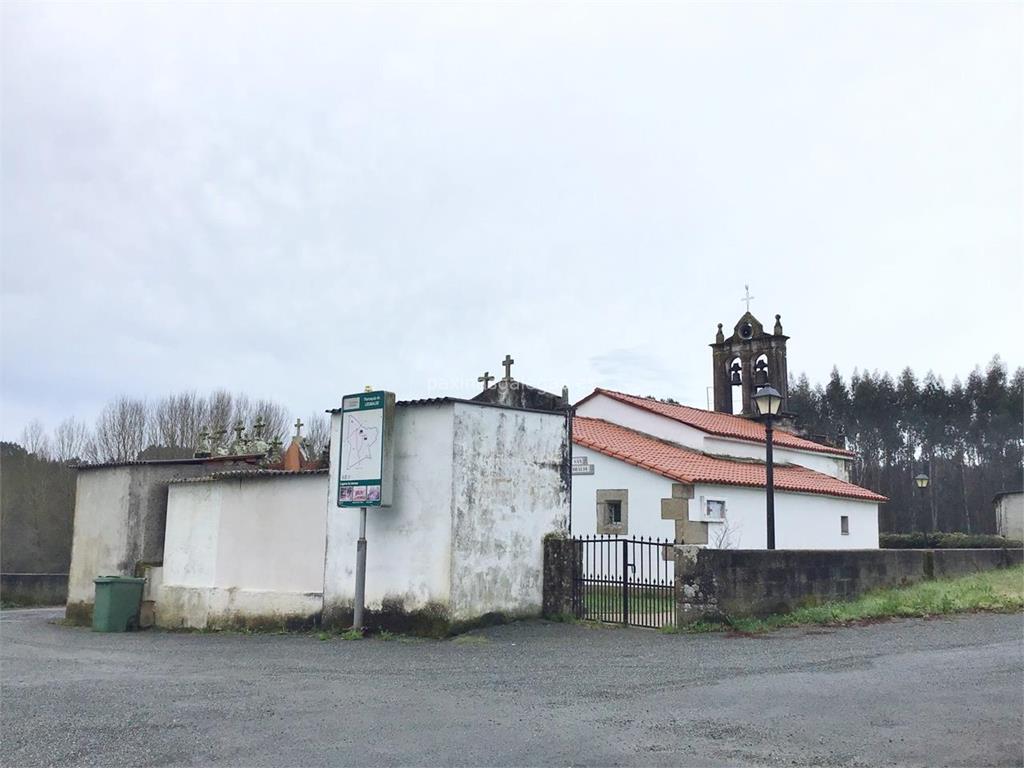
point(297, 201)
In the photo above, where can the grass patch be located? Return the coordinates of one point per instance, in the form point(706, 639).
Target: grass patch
point(351, 634)
point(600, 601)
point(1000, 591)
point(470, 640)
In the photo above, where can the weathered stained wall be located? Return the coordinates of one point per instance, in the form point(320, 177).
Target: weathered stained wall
point(408, 562)
point(476, 489)
point(1010, 515)
point(243, 551)
point(99, 546)
point(120, 515)
point(509, 491)
point(717, 583)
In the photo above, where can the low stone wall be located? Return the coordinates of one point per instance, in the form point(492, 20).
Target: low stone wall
point(34, 588)
point(712, 583)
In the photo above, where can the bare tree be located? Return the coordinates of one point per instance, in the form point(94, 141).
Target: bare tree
point(177, 420)
point(318, 435)
point(34, 439)
point(70, 440)
point(219, 410)
point(726, 536)
point(121, 430)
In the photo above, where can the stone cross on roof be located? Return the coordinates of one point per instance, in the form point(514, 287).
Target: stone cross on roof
point(486, 379)
point(507, 363)
point(748, 298)
point(298, 427)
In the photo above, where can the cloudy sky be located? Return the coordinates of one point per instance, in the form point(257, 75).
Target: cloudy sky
point(297, 201)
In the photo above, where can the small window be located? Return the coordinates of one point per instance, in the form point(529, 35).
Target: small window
point(614, 512)
point(714, 509)
point(844, 525)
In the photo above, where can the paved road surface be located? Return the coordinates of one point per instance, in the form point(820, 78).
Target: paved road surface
point(943, 692)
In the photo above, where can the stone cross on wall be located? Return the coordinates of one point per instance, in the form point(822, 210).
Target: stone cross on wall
point(507, 363)
point(486, 379)
point(298, 428)
point(748, 298)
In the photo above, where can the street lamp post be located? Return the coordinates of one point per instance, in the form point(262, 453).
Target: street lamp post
point(921, 480)
point(768, 402)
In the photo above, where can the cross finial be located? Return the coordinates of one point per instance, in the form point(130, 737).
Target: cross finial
point(486, 379)
point(298, 427)
point(748, 298)
point(507, 362)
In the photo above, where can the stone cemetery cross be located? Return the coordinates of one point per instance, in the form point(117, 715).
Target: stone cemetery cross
point(748, 298)
point(507, 362)
point(239, 429)
point(298, 427)
point(258, 426)
point(486, 379)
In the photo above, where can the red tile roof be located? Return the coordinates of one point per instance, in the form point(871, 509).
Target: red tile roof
point(721, 424)
point(689, 466)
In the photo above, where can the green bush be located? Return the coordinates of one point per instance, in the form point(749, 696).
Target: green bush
point(939, 540)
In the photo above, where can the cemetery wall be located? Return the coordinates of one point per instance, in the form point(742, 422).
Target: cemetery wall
point(244, 549)
point(509, 492)
point(120, 514)
point(408, 560)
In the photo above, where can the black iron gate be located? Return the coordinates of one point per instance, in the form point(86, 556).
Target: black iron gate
point(624, 581)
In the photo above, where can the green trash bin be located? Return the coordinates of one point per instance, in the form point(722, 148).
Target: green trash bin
point(118, 599)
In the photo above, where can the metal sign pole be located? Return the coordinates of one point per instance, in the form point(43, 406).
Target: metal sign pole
point(357, 611)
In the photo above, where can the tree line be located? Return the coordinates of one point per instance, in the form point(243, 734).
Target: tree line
point(967, 437)
point(129, 428)
point(37, 492)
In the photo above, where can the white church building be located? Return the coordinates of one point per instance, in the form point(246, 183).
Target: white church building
point(642, 467)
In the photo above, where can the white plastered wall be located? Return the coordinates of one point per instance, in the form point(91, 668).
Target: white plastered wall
point(238, 549)
point(100, 538)
point(408, 560)
point(803, 521)
point(646, 490)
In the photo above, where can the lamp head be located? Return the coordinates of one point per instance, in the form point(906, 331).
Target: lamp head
point(768, 401)
point(921, 480)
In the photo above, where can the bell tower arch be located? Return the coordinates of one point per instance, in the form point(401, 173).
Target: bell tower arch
point(748, 359)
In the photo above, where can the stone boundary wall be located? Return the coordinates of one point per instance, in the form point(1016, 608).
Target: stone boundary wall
point(713, 583)
point(34, 588)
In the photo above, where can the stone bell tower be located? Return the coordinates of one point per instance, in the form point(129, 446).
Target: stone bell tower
point(749, 359)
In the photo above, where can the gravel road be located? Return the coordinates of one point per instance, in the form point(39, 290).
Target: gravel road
point(941, 692)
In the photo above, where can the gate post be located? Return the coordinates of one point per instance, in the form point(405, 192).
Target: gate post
point(625, 583)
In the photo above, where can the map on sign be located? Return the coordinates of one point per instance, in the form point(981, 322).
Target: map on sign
point(362, 440)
